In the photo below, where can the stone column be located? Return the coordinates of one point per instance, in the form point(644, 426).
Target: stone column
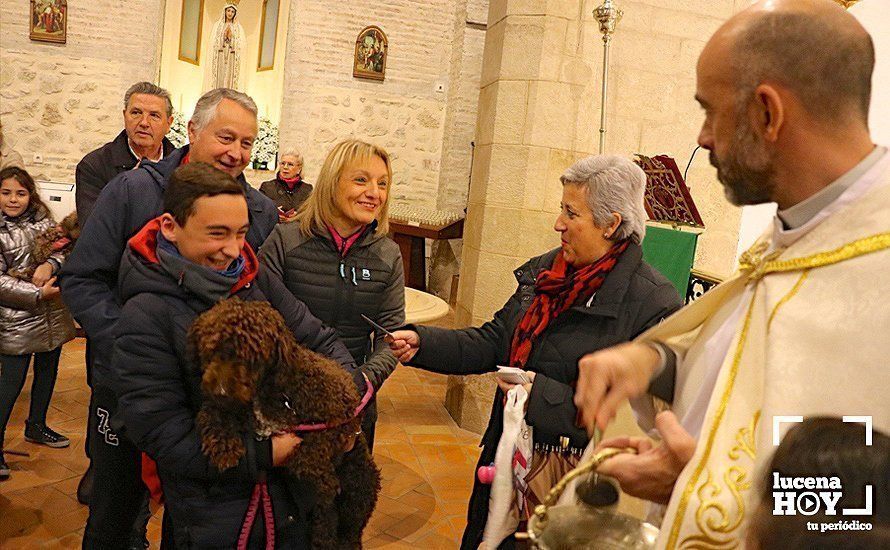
point(534, 90)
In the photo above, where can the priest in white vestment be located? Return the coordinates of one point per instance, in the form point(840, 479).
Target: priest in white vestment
point(803, 328)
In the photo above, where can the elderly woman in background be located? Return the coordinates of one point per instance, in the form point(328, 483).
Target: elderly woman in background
point(288, 190)
point(593, 292)
point(338, 259)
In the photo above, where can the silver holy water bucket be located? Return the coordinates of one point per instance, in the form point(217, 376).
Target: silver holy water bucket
point(585, 527)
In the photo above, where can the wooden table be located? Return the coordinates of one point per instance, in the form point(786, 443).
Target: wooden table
point(410, 238)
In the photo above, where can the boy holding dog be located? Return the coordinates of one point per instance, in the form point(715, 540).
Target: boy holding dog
point(178, 266)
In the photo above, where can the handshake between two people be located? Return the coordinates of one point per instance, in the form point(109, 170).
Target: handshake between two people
point(607, 378)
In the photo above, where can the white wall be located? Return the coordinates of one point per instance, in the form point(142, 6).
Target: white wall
point(651, 107)
point(875, 17)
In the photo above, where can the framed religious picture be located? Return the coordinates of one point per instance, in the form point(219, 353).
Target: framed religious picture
point(370, 54)
point(49, 21)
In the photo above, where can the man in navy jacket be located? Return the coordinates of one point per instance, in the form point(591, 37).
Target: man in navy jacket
point(221, 133)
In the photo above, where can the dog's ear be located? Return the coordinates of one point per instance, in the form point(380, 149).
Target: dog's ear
point(228, 379)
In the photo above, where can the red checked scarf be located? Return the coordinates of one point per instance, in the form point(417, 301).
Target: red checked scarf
point(556, 290)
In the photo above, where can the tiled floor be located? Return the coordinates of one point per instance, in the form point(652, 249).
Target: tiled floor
point(427, 464)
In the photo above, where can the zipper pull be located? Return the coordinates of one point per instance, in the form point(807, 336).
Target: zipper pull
point(342, 274)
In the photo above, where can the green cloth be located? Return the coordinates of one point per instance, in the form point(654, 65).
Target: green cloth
point(671, 251)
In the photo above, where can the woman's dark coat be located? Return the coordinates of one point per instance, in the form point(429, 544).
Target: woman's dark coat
point(369, 280)
point(284, 198)
point(633, 297)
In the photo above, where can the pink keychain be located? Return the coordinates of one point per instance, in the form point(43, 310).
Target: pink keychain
point(485, 474)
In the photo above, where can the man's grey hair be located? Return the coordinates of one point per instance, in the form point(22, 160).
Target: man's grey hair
point(147, 88)
point(612, 184)
point(291, 152)
point(826, 59)
point(205, 109)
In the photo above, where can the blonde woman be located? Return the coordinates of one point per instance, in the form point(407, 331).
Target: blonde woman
point(337, 259)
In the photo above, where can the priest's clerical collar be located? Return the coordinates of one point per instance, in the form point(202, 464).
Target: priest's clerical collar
point(802, 212)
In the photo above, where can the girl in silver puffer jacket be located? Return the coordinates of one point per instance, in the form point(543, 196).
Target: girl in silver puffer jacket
point(33, 320)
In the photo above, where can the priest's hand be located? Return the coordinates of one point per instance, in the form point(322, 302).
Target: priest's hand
point(652, 472)
point(610, 376)
point(404, 344)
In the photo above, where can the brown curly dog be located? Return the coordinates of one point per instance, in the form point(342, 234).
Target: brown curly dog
point(59, 238)
point(257, 377)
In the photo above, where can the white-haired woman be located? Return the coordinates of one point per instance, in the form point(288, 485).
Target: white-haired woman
point(593, 292)
point(288, 190)
point(338, 260)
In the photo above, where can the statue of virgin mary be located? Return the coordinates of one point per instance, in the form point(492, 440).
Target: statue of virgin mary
point(227, 46)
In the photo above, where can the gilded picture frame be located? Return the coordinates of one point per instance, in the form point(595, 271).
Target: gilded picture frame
point(371, 50)
point(49, 21)
point(191, 22)
point(268, 35)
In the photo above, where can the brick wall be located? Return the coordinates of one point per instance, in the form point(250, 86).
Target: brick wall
point(61, 101)
point(423, 113)
point(460, 117)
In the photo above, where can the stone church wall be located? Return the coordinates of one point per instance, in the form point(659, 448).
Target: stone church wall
point(61, 101)
point(423, 113)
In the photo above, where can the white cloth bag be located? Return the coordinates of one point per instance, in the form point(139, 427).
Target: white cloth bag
point(512, 463)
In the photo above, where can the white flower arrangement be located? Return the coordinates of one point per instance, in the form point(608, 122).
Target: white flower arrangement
point(265, 148)
point(178, 134)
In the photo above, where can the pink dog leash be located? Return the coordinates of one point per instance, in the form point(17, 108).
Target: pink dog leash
point(369, 393)
point(260, 492)
point(261, 489)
